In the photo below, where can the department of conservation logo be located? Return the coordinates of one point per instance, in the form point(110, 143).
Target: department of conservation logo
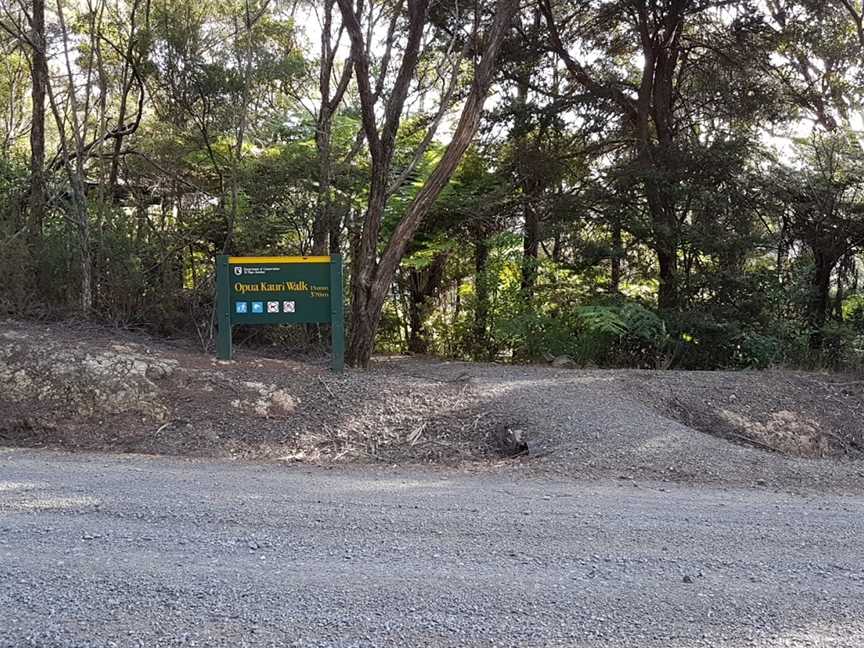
point(238, 270)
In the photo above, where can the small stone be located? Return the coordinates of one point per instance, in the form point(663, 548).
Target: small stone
point(563, 362)
point(687, 579)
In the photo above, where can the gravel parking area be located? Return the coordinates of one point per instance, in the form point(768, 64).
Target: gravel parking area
point(133, 551)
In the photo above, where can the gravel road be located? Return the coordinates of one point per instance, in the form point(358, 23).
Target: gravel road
point(136, 551)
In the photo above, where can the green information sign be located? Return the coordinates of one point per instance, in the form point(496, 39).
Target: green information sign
point(280, 290)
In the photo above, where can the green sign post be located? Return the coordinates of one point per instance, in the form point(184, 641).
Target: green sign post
point(280, 290)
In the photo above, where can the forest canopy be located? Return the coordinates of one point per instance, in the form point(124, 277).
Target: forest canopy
point(645, 183)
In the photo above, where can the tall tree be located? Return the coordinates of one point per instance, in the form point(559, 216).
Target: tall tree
point(324, 227)
point(371, 275)
point(39, 79)
point(824, 197)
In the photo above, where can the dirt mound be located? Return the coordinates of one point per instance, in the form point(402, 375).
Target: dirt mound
point(120, 379)
point(792, 413)
point(87, 388)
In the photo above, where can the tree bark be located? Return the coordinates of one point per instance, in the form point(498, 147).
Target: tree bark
point(480, 329)
point(322, 227)
point(617, 253)
point(530, 250)
point(423, 284)
point(820, 290)
point(531, 184)
point(38, 74)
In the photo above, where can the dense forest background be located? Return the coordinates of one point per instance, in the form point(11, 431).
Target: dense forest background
point(647, 183)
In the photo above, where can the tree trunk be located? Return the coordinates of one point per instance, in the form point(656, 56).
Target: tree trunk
point(75, 169)
point(820, 290)
point(82, 225)
point(667, 295)
point(656, 137)
point(321, 227)
point(531, 186)
point(423, 285)
point(665, 244)
point(324, 217)
point(617, 254)
point(480, 331)
point(39, 72)
point(530, 250)
point(361, 340)
point(417, 342)
point(338, 215)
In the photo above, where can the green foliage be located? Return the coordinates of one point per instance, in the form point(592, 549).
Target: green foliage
point(226, 158)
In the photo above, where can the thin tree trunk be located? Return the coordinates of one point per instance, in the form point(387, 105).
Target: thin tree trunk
point(417, 342)
point(667, 259)
point(322, 225)
point(531, 187)
point(617, 253)
point(245, 65)
point(39, 72)
point(75, 171)
point(480, 330)
point(530, 250)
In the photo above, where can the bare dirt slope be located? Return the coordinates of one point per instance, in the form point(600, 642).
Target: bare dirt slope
point(81, 387)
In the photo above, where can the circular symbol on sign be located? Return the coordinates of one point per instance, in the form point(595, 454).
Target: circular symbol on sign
point(238, 270)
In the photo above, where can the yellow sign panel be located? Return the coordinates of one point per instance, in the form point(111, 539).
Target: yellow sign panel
point(279, 259)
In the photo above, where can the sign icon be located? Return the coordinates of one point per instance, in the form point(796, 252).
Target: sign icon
point(238, 270)
point(242, 307)
point(257, 307)
point(288, 307)
point(273, 307)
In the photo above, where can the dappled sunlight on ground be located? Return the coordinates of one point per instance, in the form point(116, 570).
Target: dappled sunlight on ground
point(10, 487)
point(51, 504)
point(367, 485)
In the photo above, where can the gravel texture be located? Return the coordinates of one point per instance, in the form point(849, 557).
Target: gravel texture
point(133, 551)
